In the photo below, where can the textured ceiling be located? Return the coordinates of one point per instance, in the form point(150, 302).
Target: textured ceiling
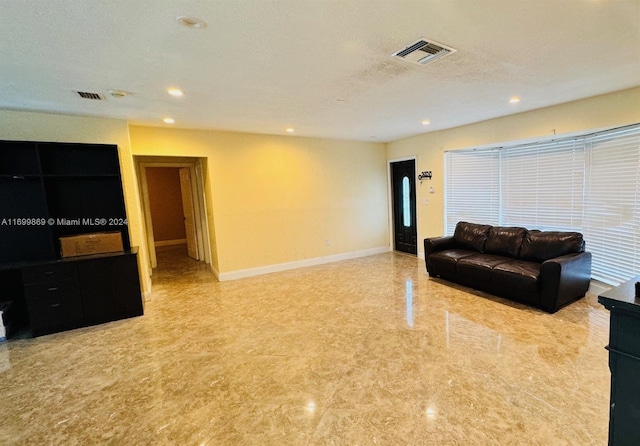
point(322, 67)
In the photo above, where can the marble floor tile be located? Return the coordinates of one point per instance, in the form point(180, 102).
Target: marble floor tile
point(368, 351)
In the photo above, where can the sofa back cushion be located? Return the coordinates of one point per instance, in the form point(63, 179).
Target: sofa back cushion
point(471, 236)
point(505, 241)
point(539, 246)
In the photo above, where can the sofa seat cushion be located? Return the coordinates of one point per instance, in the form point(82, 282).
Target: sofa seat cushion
point(447, 260)
point(518, 274)
point(479, 266)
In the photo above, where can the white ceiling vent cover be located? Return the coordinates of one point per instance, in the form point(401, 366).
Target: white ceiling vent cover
point(424, 51)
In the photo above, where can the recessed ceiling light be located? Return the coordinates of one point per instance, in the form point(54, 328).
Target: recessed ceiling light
point(191, 22)
point(290, 130)
point(514, 100)
point(169, 120)
point(175, 92)
point(426, 122)
point(117, 93)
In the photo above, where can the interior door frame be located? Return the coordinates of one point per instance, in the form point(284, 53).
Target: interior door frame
point(190, 216)
point(390, 202)
point(197, 192)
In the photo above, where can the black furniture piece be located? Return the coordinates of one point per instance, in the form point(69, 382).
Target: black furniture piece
point(81, 291)
point(624, 363)
point(545, 269)
point(50, 190)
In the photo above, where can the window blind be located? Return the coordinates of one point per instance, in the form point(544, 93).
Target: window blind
point(589, 184)
point(472, 185)
point(612, 205)
point(543, 185)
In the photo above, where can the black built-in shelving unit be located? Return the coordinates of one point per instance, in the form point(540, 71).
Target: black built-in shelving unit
point(50, 190)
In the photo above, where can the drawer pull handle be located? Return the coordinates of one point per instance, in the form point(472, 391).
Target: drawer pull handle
point(55, 305)
point(53, 288)
point(618, 352)
point(48, 273)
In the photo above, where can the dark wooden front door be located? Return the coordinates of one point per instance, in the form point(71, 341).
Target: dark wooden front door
point(403, 182)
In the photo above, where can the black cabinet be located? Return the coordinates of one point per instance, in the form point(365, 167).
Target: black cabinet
point(624, 363)
point(110, 288)
point(50, 190)
point(54, 305)
point(82, 291)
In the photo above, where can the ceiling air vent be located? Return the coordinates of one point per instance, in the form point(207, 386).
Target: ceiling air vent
point(423, 51)
point(93, 96)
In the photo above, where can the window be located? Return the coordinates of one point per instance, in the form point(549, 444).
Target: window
point(589, 184)
point(612, 205)
point(406, 202)
point(542, 185)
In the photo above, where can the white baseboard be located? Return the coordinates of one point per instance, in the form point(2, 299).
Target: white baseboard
point(597, 287)
point(182, 241)
point(250, 272)
point(215, 272)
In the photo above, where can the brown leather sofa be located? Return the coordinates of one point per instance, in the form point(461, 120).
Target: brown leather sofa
point(541, 268)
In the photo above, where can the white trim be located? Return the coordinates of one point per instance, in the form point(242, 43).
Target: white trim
point(202, 227)
point(250, 272)
point(390, 201)
point(215, 271)
point(181, 241)
point(146, 207)
point(187, 194)
point(580, 134)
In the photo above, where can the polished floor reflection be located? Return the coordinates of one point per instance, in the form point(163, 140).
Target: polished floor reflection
point(361, 352)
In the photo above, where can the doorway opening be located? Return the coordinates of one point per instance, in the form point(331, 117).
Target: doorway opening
point(403, 198)
point(172, 195)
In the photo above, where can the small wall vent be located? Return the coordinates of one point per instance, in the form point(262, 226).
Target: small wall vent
point(423, 51)
point(92, 96)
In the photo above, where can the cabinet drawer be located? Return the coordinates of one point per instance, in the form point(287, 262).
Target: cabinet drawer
point(49, 272)
point(62, 312)
point(51, 291)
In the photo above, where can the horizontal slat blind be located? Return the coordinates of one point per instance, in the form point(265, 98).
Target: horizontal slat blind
point(472, 185)
point(589, 184)
point(612, 205)
point(543, 185)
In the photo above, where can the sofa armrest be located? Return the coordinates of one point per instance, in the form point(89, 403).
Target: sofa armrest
point(564, 279)
point(436, 244)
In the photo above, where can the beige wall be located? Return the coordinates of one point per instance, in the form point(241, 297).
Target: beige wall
point(165, 201)
point(278, 199)
point(611, 110)
point(29, 126)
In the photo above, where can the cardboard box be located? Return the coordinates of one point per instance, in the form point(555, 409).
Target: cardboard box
point(87, 244)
